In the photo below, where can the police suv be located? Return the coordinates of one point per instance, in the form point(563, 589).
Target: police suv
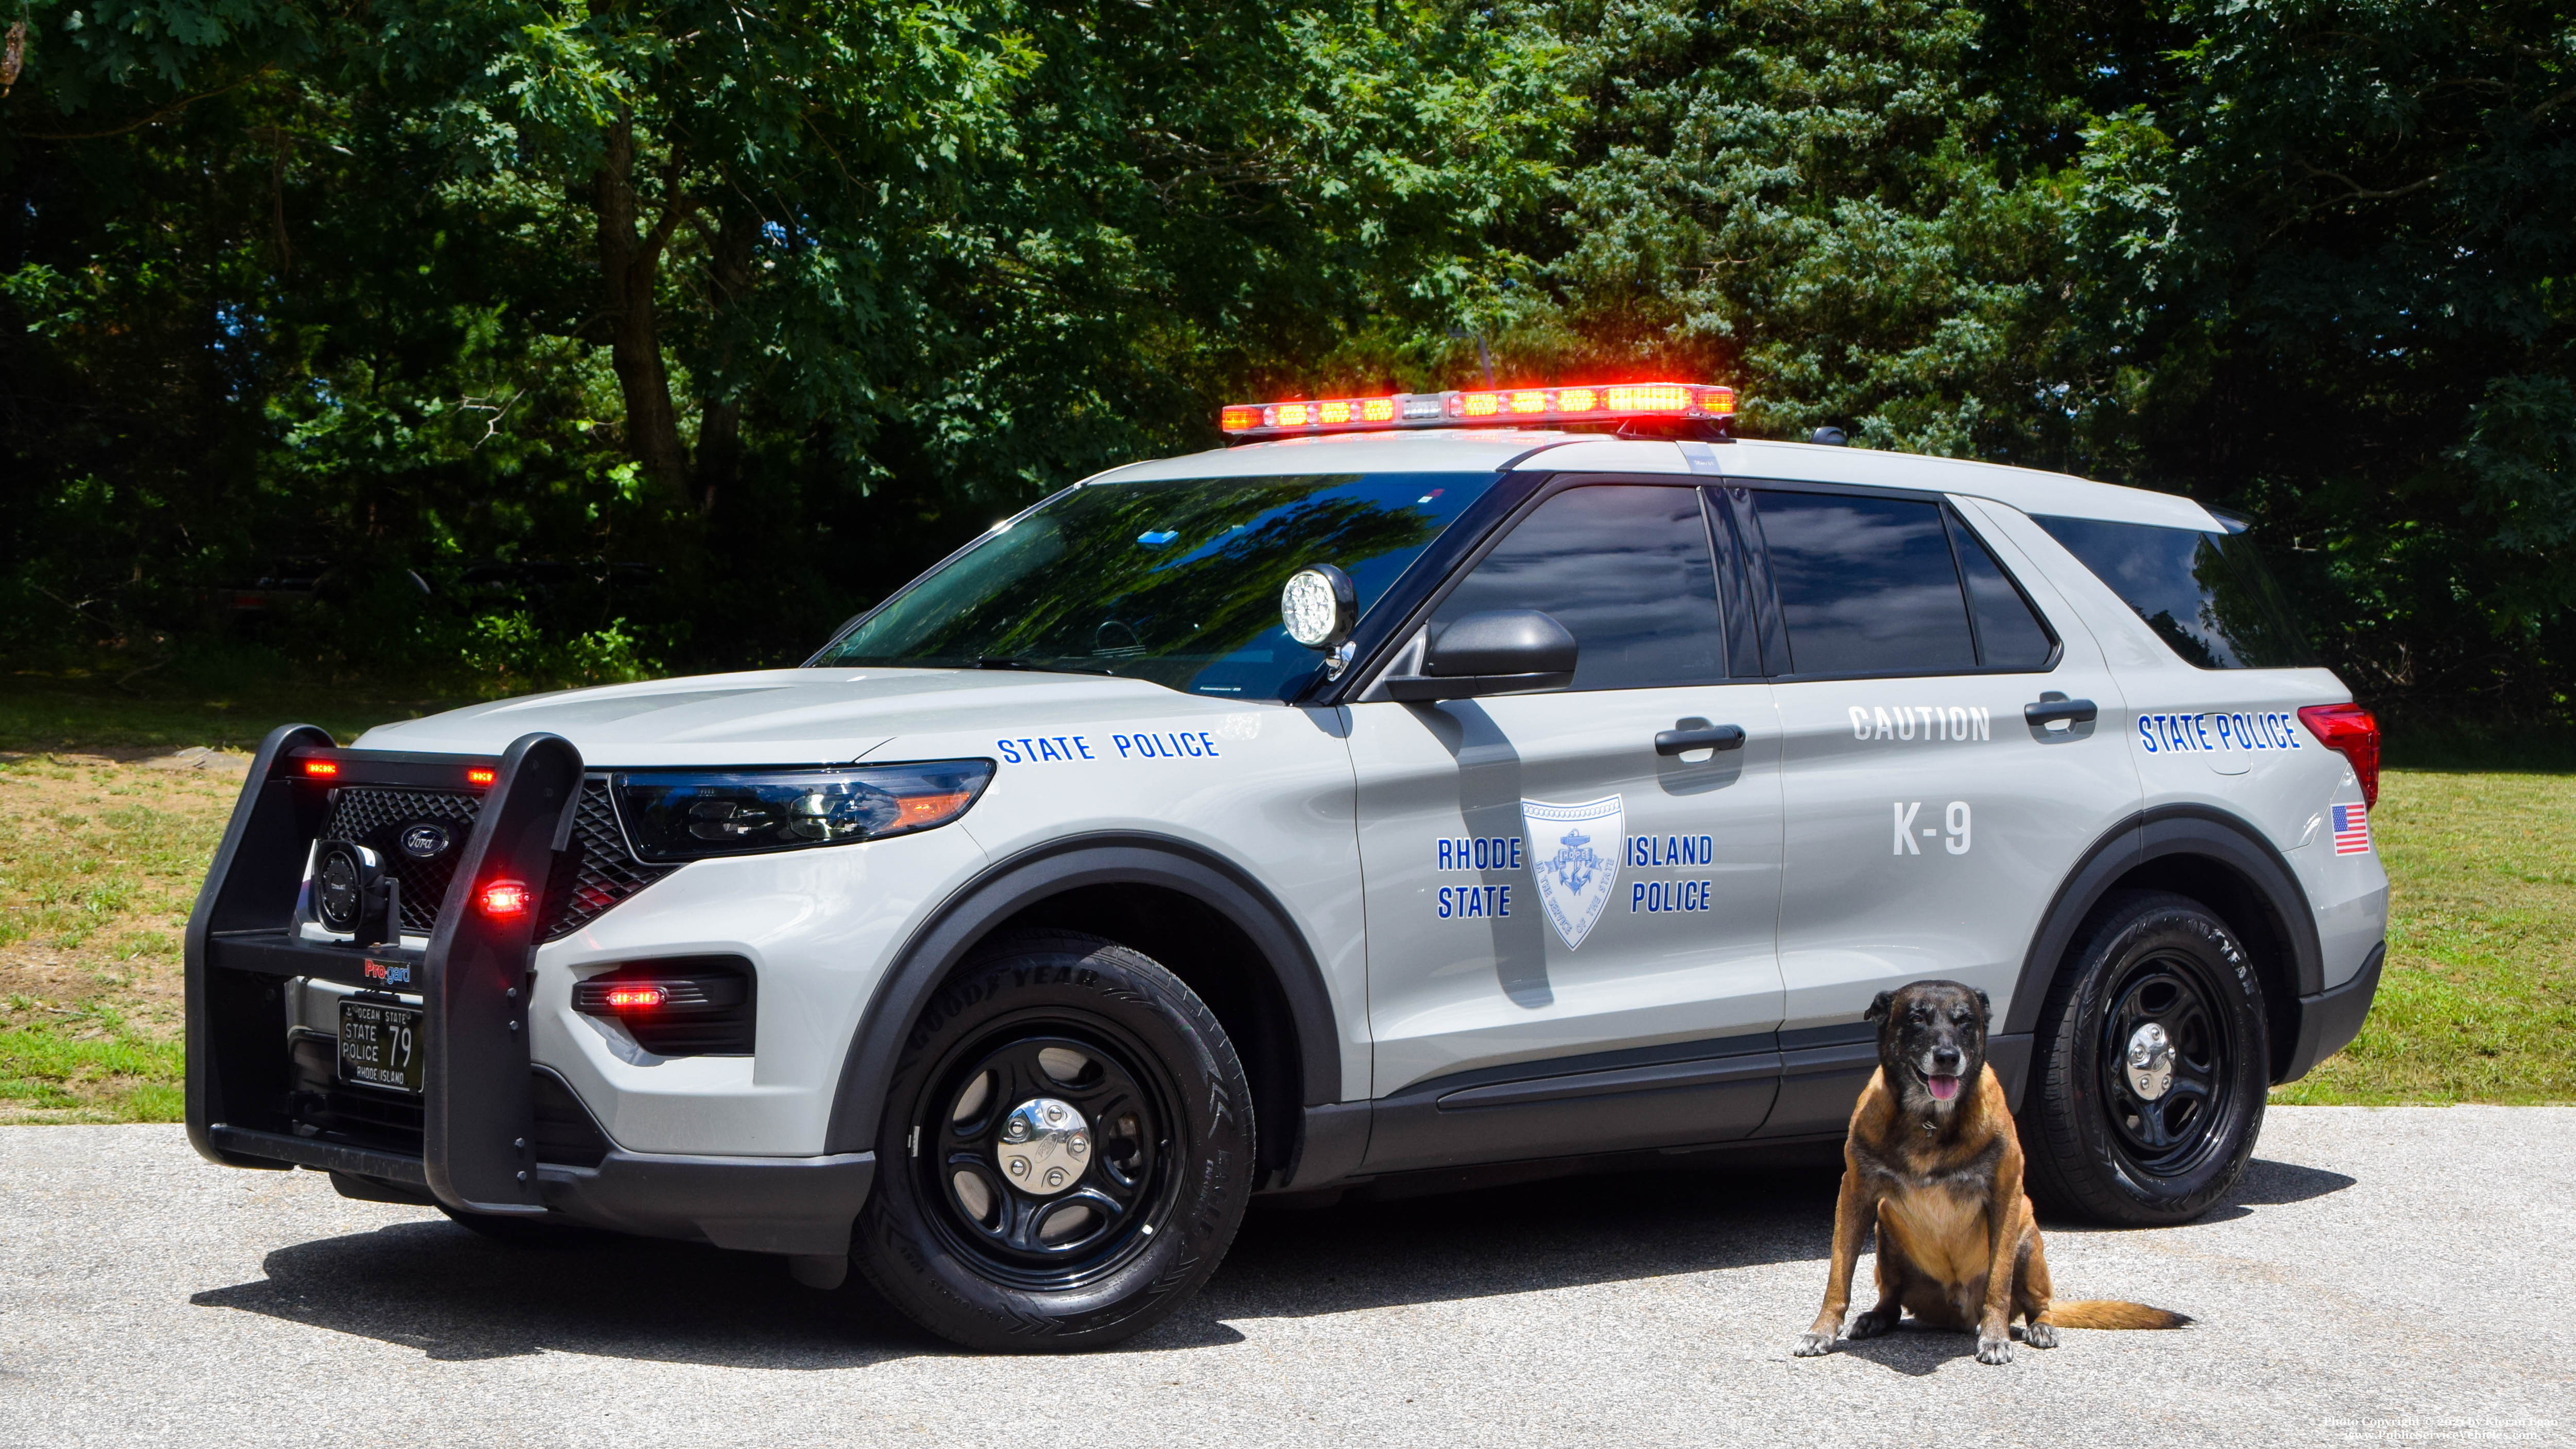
point(1523, 780)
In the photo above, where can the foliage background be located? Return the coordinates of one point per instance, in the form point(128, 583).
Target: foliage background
point(499, 343)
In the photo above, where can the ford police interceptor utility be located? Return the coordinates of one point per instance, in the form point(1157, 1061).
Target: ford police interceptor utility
point(1424, 784)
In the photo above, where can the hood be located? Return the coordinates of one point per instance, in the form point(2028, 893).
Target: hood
point(783, 716)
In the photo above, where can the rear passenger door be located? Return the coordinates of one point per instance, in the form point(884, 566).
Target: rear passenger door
point(1928, 819)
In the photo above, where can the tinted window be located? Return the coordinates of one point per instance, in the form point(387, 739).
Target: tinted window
point(2009, 632)
point(1626, 569)
point(1866, 585)
point(1175, 582)
point(2206, 594)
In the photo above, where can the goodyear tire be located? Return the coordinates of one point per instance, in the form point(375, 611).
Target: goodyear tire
point(1066, 1154)
point(2152, 1067)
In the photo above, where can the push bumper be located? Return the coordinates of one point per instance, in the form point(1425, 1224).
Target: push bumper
point(482, 1138)
point(2330, 1019)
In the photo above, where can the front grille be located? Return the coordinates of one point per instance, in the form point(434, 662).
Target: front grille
point(594, 872)
point(602, 873)
point(376, 816)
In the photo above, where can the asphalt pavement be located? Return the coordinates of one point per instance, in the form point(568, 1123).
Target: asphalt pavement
point(2396, 1276)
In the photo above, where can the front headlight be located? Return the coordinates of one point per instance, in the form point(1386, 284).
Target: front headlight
point(676, 815)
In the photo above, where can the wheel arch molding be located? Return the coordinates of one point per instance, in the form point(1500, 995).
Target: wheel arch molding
point(2215, 858)
point(1121, 886)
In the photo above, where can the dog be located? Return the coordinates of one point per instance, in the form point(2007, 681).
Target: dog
point(1934, 1162)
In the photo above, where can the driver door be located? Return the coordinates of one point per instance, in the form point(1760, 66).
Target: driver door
point(1547, 895)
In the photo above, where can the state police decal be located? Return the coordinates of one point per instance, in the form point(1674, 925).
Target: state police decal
point(1574, 877)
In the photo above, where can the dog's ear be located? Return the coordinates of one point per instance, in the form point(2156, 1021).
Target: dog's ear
point(1878, 1006)
point(1985, 1009)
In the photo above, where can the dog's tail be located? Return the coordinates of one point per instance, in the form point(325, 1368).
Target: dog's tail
point(2111, 1313)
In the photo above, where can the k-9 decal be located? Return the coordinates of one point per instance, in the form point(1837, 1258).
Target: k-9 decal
point(1956, 823)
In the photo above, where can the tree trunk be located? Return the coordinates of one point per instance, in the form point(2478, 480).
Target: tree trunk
point(720, 406)
point(629, 264)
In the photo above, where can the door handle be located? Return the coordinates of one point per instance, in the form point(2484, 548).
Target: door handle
point(2055, 709)
point(1713, 737)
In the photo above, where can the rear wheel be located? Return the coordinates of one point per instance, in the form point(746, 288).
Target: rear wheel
point(1067, 1150)
point(2152, 1067)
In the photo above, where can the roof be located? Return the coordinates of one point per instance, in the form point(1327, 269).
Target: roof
point(1464, 450)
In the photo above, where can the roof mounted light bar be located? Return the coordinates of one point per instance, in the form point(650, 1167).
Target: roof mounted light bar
point(1507, 407)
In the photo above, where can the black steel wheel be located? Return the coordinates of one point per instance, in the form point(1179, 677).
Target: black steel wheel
point(1066, 1153)
point(2148, 1087)
point(1028, 1102)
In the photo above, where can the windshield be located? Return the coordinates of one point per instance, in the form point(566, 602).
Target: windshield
point(1175, 582)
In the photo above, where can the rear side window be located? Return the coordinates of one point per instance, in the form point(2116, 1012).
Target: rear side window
point(1866, 585)
point(2009, 633)
point(1626, 569)
point(2205, 594)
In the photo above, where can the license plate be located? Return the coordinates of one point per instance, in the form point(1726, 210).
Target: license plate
point(380, 1045)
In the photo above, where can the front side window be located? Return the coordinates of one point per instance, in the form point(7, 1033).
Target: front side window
point(2207, 595)
point(1866, 585)
point(1173, 582)
point(1626, 569)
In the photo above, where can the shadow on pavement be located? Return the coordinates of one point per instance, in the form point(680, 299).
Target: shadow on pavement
point(434, 1287)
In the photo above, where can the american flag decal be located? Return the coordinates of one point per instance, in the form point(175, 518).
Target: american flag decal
point(2351, 829)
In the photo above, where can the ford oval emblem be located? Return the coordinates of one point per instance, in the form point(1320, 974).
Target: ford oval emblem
point(421, 842)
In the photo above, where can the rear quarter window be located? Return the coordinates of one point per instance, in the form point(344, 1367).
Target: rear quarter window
point(2207, 595)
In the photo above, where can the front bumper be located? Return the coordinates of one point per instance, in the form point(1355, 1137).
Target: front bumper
point(491, 1133)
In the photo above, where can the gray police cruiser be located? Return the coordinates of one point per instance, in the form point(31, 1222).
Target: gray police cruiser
point(1427, 789)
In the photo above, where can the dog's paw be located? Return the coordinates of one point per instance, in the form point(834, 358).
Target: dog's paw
point(1812, 1345)
point(1870, 1324)
point(2040, 1335)
point(1993, 1350)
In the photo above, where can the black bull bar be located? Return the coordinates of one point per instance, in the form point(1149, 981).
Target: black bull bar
point(478, 1146)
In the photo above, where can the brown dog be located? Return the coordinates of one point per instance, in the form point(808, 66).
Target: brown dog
point(1933, 1160)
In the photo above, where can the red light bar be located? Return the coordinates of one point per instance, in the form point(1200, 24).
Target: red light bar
point(321, 769)
point(636, 998)
point(503, 899)
point(1520, 406)
point(481, 775)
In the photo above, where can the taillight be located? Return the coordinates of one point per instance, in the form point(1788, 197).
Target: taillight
point(2348, 730)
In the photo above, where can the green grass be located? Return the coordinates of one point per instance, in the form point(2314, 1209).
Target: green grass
point(2478, 999)
point(86, 713)
point(100, 859)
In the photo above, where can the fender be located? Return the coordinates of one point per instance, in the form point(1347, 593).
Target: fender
point(1010, 886)
point(2288, 926)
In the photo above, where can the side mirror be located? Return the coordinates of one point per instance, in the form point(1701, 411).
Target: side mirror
point(1501, 651)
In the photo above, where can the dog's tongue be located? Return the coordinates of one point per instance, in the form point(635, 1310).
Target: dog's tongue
point(1943, 1088)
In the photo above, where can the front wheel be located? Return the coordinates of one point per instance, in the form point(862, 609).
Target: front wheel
point(2153, 1063)
point(1067, 1150)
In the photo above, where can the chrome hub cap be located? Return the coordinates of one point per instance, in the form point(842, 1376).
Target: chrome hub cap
point(2150, 1064)
point(1044, 1146)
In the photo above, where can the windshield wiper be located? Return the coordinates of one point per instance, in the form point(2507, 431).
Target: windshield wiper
point(1004, 661)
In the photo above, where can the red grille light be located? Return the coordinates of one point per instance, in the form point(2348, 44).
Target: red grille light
point(2349, 730)
point(321, 769)
point(505, 899)
point(1516, 406)
point(636, 998)
point(481, 775)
